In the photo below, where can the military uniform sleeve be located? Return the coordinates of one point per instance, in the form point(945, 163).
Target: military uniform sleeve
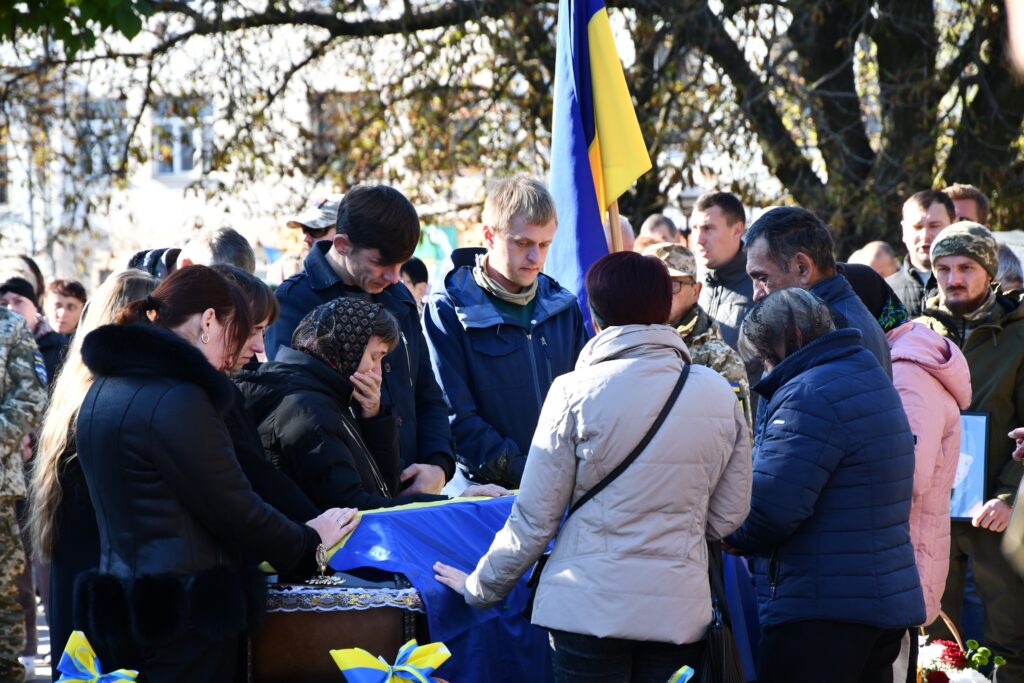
point(724, 360)
point(24, 388)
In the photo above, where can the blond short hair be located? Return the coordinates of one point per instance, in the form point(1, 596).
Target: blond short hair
point(965, 191)
point(518, 197)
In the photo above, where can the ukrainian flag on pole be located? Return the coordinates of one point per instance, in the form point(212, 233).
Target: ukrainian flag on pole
point(597, 150)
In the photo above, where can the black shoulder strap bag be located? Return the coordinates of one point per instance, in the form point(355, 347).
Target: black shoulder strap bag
point(534, 580)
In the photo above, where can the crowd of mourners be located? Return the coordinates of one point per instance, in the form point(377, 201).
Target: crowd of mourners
point(724, 388)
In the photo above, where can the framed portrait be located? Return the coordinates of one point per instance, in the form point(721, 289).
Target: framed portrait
point(969, 485)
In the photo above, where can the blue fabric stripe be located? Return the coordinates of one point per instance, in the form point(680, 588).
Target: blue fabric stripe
point(579, 240)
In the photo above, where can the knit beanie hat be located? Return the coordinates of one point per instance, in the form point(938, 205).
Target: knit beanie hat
point(21, 287)
point(337, 332)
point(969, 239)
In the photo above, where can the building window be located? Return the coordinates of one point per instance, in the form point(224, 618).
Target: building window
point(182, 136)
point(101, 138)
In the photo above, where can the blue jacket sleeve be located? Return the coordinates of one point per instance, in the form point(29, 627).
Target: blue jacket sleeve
point(479, 447)
point(295, 304)
point(796, 454)
point(433, 434)
point(580, 332)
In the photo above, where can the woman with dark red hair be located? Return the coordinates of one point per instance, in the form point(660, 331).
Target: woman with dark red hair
point(650, 452)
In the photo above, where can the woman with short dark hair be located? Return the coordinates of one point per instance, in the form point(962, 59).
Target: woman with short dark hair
point(625, 593)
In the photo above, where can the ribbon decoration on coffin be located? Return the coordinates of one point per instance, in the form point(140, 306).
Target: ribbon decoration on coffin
point(79, 664)
point(414, 663)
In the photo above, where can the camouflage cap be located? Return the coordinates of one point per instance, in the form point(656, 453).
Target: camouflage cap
point(337, 332)
point(679, 259)
point(969, 239)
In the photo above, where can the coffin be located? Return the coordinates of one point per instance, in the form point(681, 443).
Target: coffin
point(304, 623)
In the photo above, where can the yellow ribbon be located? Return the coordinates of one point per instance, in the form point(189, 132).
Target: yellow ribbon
point(79, 664)
point(414, 663)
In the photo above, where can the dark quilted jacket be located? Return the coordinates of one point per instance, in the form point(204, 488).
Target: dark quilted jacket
point(828, 529)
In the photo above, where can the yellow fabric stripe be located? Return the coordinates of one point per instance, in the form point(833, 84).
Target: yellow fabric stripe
point(618, 142)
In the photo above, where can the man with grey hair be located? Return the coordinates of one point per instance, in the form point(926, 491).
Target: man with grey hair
point(625, 229)
point(1010, 275)
point(879, 256)
point(218, 246)
point(500, 331)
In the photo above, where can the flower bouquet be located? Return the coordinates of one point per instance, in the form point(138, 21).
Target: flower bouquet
point(943, 661)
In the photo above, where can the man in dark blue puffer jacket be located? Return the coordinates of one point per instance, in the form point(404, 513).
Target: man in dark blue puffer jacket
point(828, 531)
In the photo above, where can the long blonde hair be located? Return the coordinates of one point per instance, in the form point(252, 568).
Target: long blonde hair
point(69, 390)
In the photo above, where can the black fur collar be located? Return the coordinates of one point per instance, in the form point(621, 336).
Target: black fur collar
point(114, 350)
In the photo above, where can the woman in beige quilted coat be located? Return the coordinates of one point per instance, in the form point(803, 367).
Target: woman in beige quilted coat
point(625, 593)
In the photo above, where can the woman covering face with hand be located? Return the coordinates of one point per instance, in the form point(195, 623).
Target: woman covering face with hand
point(319, 409)
point(180, 526)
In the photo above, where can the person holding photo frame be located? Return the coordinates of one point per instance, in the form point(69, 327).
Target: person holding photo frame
point(988, 326)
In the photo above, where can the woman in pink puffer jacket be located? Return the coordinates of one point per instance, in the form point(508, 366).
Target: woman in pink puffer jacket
point(934, 383)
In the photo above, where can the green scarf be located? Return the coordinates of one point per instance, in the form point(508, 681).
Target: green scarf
point(492, 286)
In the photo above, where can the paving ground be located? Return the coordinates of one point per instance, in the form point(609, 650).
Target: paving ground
point(43, 658)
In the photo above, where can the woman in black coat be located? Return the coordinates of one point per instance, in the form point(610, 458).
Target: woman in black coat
point(179, 524)
point(319, 413)
point(61, 518)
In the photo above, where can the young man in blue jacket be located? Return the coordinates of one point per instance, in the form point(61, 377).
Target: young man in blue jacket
point(377, 231)
point(500, 331)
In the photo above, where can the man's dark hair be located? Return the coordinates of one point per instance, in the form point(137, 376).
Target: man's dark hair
point(69, 288)
point(790, 230)
point(415, 270)
point(380, 217)
point(925, 198)
point(730, 204)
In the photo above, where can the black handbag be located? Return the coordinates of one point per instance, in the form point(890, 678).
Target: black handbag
point(721, 662)
point(538, 568)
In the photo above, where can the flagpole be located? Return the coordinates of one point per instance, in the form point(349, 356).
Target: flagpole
point(614, 227)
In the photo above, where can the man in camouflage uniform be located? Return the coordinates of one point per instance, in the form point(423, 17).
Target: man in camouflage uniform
point(22, 399)
point(988, 326)
point(699, 332)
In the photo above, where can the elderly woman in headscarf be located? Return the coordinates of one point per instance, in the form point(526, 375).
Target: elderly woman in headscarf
point(828, 530)
point(319, 411)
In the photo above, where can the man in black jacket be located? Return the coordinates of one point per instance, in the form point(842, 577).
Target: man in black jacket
point(718, 223)
point(378, 229)
point(925, 214)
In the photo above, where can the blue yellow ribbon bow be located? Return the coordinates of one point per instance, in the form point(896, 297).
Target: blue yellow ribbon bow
point(414, 663)
point(682, 676)
point(79, 664)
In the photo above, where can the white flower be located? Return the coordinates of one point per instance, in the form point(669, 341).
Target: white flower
point(930, 657)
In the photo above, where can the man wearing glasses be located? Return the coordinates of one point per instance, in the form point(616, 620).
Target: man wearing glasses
point(319, 220)
point(700, 333)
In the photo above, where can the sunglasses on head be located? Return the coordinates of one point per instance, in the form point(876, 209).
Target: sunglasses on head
point(315, 233)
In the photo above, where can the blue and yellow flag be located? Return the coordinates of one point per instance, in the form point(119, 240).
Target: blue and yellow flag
point(597, 150)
